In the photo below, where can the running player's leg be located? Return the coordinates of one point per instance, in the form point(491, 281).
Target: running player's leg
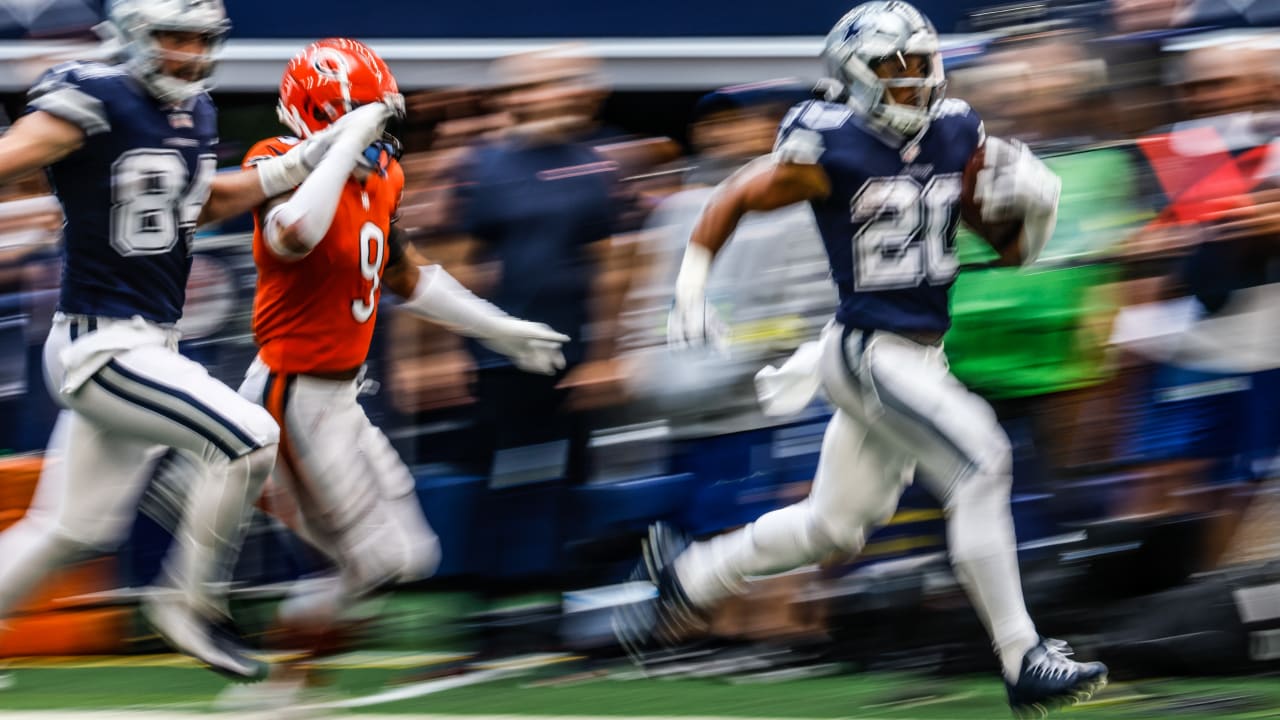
point(84, 502)
point(154, 393)
point(355, 493)
point(392, 543)
point(169, 399)
point(967, 463)
point(968, 466)
point(855, 490)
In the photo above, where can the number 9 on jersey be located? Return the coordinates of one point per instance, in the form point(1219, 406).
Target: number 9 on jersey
point(373, 248)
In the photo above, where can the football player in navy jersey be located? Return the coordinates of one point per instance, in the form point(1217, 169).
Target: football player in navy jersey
point(881, 162)
point(129, 151)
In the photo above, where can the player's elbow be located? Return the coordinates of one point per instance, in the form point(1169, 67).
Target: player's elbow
point(401, 278)
point(287, 241)
point(288, 235)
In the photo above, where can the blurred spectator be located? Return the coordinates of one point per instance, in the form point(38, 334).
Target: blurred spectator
point(735, 125)
point(1131, 16)
point(428, 367)
point(1199, 324)
point(542, 204)
point(770, 285)
point(1047, 92)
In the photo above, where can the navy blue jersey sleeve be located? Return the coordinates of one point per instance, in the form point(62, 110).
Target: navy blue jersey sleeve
point(79, 93)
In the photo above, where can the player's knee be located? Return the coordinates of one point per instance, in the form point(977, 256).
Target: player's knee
point(383, 553)
point(989, 486)
point(260, 425)
point(422, 558)
point(259, 462)
point(999, 457)
point(829, 535)
point(84, 538)
point(409, 556)
point(846, 527)
point(990, 470)
point(73, 532)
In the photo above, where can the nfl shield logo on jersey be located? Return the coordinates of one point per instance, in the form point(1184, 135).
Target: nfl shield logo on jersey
point(180, 120)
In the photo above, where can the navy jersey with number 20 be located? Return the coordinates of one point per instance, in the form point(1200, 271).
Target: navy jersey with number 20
point(889, 224)
point(131, 193)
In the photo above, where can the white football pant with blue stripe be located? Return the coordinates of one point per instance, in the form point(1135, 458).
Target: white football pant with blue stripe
point(142, 400)
point(898, 406)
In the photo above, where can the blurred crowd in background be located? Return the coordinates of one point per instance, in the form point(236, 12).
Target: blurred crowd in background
point(1138, 359)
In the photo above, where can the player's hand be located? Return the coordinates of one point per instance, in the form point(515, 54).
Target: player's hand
point(694, 323)
point(395, 103)
point(360, 123)
point(364, 124)
point(533, 347)
point(312, 150)
point(1014, 183)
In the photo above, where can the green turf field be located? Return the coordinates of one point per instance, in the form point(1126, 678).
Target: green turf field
point(563, 687)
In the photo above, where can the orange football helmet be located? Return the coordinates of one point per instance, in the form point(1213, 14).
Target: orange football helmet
point(328, 79)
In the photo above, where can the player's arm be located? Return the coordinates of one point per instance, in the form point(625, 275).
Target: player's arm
point(36, 140)
point(768, 183)
point(293, 228)
point(429, 291)
point(322, 162)
point(234, 193)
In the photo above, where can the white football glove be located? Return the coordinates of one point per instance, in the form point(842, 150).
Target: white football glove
point(693, 322)
point(365, 123)
point(1013, 183)
point(696, 324)
point(533, 347)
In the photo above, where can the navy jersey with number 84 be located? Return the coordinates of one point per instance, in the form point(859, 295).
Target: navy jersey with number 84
point(131, 193)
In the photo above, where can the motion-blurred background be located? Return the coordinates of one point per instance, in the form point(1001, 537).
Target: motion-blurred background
point(1135, 367)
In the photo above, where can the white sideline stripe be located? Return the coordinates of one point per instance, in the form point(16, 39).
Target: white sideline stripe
point(164, 715)
point(409, 692)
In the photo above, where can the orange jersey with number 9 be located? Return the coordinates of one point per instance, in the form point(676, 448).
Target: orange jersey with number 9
point(316, 314)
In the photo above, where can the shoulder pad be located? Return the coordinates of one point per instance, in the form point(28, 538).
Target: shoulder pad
point(78, 93)
point(800, 139)
point(952, 106)
point(818, 115)
point(964, 117)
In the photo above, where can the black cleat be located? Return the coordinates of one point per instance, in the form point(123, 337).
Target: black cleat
point(1051, 679)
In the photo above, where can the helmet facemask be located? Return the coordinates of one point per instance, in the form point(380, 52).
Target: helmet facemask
point(138, 27)
point(913, 85)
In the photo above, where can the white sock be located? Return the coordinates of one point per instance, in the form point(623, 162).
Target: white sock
point(984, 555)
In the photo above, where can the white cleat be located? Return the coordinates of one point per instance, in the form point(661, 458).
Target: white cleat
point(192, 634)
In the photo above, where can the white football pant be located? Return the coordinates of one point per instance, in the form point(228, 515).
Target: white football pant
point(898, 406)
point(343, 487)
point(142, 399)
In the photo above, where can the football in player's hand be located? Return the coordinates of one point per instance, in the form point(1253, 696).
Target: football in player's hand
point(1000, 235)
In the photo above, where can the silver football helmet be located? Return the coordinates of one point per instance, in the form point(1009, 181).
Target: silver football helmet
point(873, 32)
point(132, 24)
